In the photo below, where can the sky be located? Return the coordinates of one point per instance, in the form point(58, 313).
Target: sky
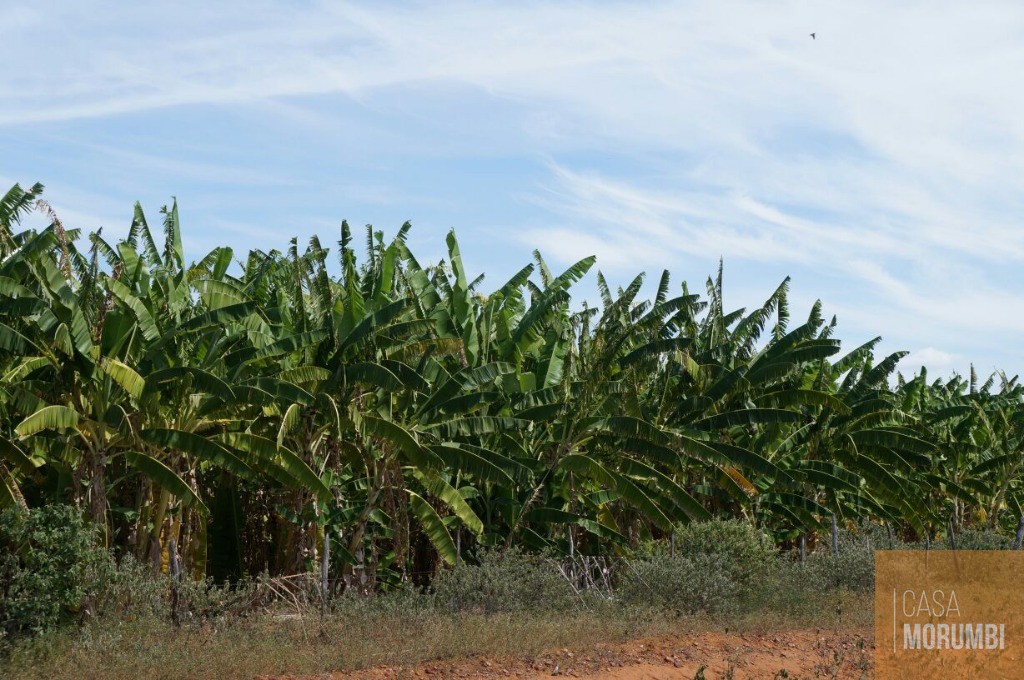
point(878, 164)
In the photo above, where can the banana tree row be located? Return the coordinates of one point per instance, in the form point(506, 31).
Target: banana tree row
point(239, 409)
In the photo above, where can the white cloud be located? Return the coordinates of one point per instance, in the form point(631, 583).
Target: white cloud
point(884, 158)
point(938, 362)
point(878, 281)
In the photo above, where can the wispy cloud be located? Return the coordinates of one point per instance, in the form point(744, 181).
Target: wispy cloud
point(881, 163)
point(878, 279)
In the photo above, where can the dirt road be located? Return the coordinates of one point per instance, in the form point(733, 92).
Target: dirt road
point(736, 656)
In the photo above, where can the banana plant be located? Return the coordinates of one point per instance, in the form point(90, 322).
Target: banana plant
point(246, 409)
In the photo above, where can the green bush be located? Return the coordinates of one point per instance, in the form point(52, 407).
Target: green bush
point(790, 589)
point(742, 551)
point(982, 539)
point(684, 584)
point(132, 590)
point(49, 564)
point(714, 563)
point(508, 581)
point(853, 569)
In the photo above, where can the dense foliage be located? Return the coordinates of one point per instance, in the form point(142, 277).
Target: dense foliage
point(47, 556)
point(223, 417)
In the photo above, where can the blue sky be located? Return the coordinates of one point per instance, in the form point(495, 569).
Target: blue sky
point(879, 165)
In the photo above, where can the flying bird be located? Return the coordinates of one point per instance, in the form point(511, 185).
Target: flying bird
point(813, 36)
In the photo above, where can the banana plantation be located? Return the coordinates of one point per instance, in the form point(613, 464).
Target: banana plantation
point(235, 414)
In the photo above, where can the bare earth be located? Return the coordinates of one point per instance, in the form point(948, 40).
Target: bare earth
point(793, 654)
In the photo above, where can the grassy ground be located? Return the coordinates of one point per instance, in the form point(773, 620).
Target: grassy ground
point(366, 634)
point(509, 605)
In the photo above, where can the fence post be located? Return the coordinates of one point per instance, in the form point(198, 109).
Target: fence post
point(952, 535)
point(325, 568)
point(803, 548)
point(835, 536)
point(672, 544)
point(1020, 534)
point(174, 568)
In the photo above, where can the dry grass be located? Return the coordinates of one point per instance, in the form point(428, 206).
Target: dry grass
point(268, 645)
point(285, 643)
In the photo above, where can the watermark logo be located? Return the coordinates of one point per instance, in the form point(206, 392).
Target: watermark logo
point(960, 613)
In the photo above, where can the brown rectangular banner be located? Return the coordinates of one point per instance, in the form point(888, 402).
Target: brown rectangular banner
point(958, 613)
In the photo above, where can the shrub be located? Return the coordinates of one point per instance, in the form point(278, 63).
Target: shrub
point(684, 584)
point(408, 604)
point(714, 563)
point(873, 535)
point(132, 590)
point(508, 581)
point(49, 563)
point(854, 569)
point(982, 539)
point(742, 551)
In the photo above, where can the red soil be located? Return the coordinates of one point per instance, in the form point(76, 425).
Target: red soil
point(794, 654)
